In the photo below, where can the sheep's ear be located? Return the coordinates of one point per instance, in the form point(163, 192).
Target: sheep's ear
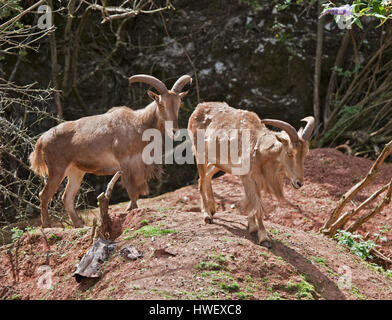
point(154, 97)
point(183, 94)
point(282, 140)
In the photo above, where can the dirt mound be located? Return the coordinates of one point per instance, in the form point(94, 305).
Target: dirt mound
point(184, 258)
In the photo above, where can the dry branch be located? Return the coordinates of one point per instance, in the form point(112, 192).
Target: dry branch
point(387, 199)
point(103, 202)
point(20, 15)
point(110, 13)
point(333, 223)
point(10, 258)
point(339, 224)
point(346, 147)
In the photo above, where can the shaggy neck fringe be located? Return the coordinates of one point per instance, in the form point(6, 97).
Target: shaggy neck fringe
point(149, 118)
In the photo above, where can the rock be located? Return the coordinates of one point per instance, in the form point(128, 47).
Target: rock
point(90, 265)
point(131, 253)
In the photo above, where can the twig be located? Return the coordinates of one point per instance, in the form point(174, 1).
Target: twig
point(47, 247)
point(20, 15)
point(345, 147)
point(93, 231)
point(339, 224)
point(387, 199)
point(372, 174)
point(381, 256)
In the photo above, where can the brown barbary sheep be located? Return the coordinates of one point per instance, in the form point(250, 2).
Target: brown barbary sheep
point(260, 157)
point(104, 144)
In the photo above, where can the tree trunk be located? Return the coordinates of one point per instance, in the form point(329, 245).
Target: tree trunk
point(332, 80)
point(53, 55)
point(67, 47)
point(317, 70)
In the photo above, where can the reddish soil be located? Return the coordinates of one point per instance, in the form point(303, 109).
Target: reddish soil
point(328, 175)
point(218, 261)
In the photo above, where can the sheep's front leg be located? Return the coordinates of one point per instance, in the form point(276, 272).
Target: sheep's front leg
point(132, 205)
point(255, 217)
point(211, 170)
point(205, 208)
point(129, 183)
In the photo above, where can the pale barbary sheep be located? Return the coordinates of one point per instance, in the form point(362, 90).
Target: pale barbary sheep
point(270, 156)
point(104, 144)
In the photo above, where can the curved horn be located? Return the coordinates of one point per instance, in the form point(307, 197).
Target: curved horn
point(152, 81)
point(284, 126)
point(307, 132)
point(181, 82)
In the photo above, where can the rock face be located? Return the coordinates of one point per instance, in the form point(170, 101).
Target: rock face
point(256, 60)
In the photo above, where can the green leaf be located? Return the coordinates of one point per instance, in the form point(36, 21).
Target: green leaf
point(358, 23)
point(380, 16)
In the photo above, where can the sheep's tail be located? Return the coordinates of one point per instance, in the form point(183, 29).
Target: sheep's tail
point(37, 161)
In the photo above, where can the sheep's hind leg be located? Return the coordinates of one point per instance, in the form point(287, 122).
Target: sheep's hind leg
point(75, 177)
point(55, 177)
point(254, 203)
point(262, 236)
point(211, 170)
point(252, 226)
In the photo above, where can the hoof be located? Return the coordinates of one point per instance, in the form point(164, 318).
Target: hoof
point(79, 225)
point(130, 208)
point(252, 230)
point(266, 243)
point(46, 224)
point(208, 220)
point(78, 222)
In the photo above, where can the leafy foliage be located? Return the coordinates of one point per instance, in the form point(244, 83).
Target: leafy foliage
point(355, 243)
point(9, 9)
point(254, 4)
point(16, 234)
point(374, 8)
point(345, 114)
point(283, 5)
